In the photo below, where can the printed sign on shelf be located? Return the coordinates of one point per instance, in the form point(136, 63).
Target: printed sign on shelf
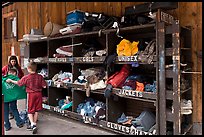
point(132, 93)
point(128, 130)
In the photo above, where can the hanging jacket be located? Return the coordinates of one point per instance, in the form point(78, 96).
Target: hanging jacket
point(12, 91)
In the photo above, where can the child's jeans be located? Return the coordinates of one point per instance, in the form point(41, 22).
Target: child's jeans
point(14, 110)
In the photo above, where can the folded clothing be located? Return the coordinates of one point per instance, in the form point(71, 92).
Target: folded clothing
point(59, 55)
point(99, 85)
point(65, 50)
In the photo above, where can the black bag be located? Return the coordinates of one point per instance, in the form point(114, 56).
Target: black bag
point(97, 21)
point(130, 20)
point(153, 6)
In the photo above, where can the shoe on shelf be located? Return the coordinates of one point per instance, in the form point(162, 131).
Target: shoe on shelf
point(7, 129)
point(34, 128)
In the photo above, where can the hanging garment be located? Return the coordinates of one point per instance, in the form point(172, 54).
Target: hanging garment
point(12, 91)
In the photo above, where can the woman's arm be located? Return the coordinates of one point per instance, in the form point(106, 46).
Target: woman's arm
point(4, 70)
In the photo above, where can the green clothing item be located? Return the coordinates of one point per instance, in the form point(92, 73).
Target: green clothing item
point(12, 91)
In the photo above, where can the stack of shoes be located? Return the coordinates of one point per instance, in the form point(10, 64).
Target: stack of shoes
point(186, 107)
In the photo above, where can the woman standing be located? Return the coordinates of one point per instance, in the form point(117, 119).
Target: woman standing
point(13, 63)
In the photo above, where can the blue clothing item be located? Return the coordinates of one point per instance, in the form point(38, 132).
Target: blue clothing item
point(127, 88)
point(79, 107)
point(136, 64)
point(151, 88)
point(67, 106)
point(88, 107)
point(61, 103)
point(122, 119)
point(14, 110)
point(24, 116)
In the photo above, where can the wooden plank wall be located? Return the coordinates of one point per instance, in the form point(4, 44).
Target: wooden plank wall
point(37, 14)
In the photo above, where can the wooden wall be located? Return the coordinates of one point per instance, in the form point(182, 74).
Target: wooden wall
point(37, 14)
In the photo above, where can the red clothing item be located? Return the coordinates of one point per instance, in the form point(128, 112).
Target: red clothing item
point(34, 101)
point(33, 82)
point(6, 68)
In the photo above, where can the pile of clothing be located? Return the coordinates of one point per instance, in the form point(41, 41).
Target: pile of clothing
point(92, 108)
point(145, 121)
point(92, 78)
point(65, 104)
point(65, 51)
point(62, 77)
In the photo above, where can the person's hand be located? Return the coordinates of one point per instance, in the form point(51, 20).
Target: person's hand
point(8, 80)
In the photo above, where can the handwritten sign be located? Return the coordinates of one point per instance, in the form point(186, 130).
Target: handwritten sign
point(132, 93)
point(127, 58)
point(128, 130)
point(58, 60)
point(87, 119)
point(56, 109)
point(87, 59)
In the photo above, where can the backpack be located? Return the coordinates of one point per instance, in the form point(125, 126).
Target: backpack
point(118, 78)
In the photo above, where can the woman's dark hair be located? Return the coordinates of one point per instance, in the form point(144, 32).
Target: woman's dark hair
point(13, 58)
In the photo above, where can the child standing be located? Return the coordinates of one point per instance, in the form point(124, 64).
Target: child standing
point(12, 93)
point(34, 84)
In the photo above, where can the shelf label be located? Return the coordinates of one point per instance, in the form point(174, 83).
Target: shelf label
point(45, 106)
point(56, 109)
point(61, 60)
point(132, 93)
point(87, 59)
point(127, 58)
point(87, 119)
point(128, 130)
point(52, 59)
point(64, 60)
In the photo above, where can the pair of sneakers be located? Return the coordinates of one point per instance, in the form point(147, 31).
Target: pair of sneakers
point(32, 128)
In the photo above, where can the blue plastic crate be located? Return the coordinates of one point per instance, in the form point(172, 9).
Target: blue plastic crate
point(74, 17)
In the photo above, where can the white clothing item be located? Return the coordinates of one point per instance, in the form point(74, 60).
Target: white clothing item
point(98, 85)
